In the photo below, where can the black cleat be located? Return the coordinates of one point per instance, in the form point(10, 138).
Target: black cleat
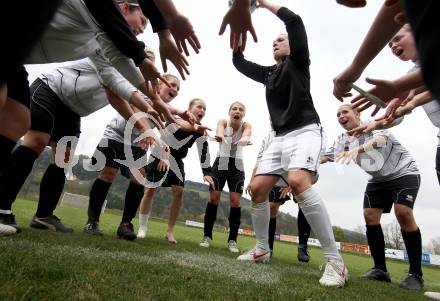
point(412, 282)
point(51, 223)
point(303, 254)
point(92, 228)
point(8, 226)
point(126, 231)
point(377, 274)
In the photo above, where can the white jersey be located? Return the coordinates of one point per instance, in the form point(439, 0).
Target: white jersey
point(80, 84)
point(73, 34)
point(115, 130)
point(391, 161)
point(229, 149)
point(432, 110)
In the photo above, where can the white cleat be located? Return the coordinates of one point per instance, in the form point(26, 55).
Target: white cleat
point(142, 233)
point(206, 242)
point(433, 295)
point(232, 246)
point(7, 230)
point(254, 256)
point(335, 274)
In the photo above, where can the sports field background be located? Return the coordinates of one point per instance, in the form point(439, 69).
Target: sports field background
point(43, 265)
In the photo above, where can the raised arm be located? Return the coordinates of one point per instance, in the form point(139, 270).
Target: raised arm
point(254, 71)
point(296, 31)
point(179, 25)
point(109, 17)
point(381, 31)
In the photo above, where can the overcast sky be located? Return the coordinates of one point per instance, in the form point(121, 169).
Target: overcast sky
point(335, 33)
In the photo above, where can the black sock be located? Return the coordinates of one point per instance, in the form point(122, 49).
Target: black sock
point(413, 245)
point(272, 229)
point(51, 187)
point(210, 217)
point(304, 229)
point(133, 198)
point(6, 147)
point(98, 193)
point(376, 242)
point(14, 174)
point(234, 222)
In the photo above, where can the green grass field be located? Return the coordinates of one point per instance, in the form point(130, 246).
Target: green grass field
point(43, 265)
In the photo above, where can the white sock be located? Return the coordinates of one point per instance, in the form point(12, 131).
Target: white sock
point(260, 214)
point(143, 220)
point(316, 214)
point(5, 211)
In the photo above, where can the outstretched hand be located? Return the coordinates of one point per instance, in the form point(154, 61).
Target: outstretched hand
point(238, 17)
point(182, 31)
point(169, 51)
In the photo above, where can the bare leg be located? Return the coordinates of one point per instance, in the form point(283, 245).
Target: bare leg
point(176, 204)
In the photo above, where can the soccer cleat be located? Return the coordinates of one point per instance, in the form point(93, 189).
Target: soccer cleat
point(432, 295)
point(254, 256)
point(335, 274)
point(93, 228)
point(412, 282)
point(8, 226)
point(142, 232)
point(232, 246)
point(377, 274)
point(125, 231)
point(303, 254)
point(52, 223)
point(206, 242)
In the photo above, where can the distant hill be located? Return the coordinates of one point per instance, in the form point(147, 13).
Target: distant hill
point(195, 198)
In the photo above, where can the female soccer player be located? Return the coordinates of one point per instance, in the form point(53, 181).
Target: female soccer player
point(294, 152)
point(232, 134)
point(170, 172)
point(395, 180)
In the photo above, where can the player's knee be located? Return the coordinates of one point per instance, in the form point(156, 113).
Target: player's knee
point(177, 194)
point(299, 184)
point(371, 217)
point(149, 192)
point(404, 216)
point(108, 174)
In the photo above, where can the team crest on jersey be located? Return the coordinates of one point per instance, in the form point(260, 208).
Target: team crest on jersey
point(310, 160)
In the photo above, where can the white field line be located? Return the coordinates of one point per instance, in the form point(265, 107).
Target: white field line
point(206, 262)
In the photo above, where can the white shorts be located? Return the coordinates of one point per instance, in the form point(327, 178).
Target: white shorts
point(298, 149)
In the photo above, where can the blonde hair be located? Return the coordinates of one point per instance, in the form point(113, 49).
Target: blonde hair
point(236, 103)
point(193, 101)
point(349, 106)
point(150, 54)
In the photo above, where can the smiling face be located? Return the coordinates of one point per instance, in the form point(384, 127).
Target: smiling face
point(169, 93)
point(402, 44)
point(347, 117)
point(134, 17)
point(281, 47)
point(237, 111)
point(198, 108)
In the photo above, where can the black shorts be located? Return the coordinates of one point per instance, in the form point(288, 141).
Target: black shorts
point(383, 195)
point(165, 179)
point(50, 115)
point(18, 86)
point(232, 173)
point(115, 150)
point(275, 195)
